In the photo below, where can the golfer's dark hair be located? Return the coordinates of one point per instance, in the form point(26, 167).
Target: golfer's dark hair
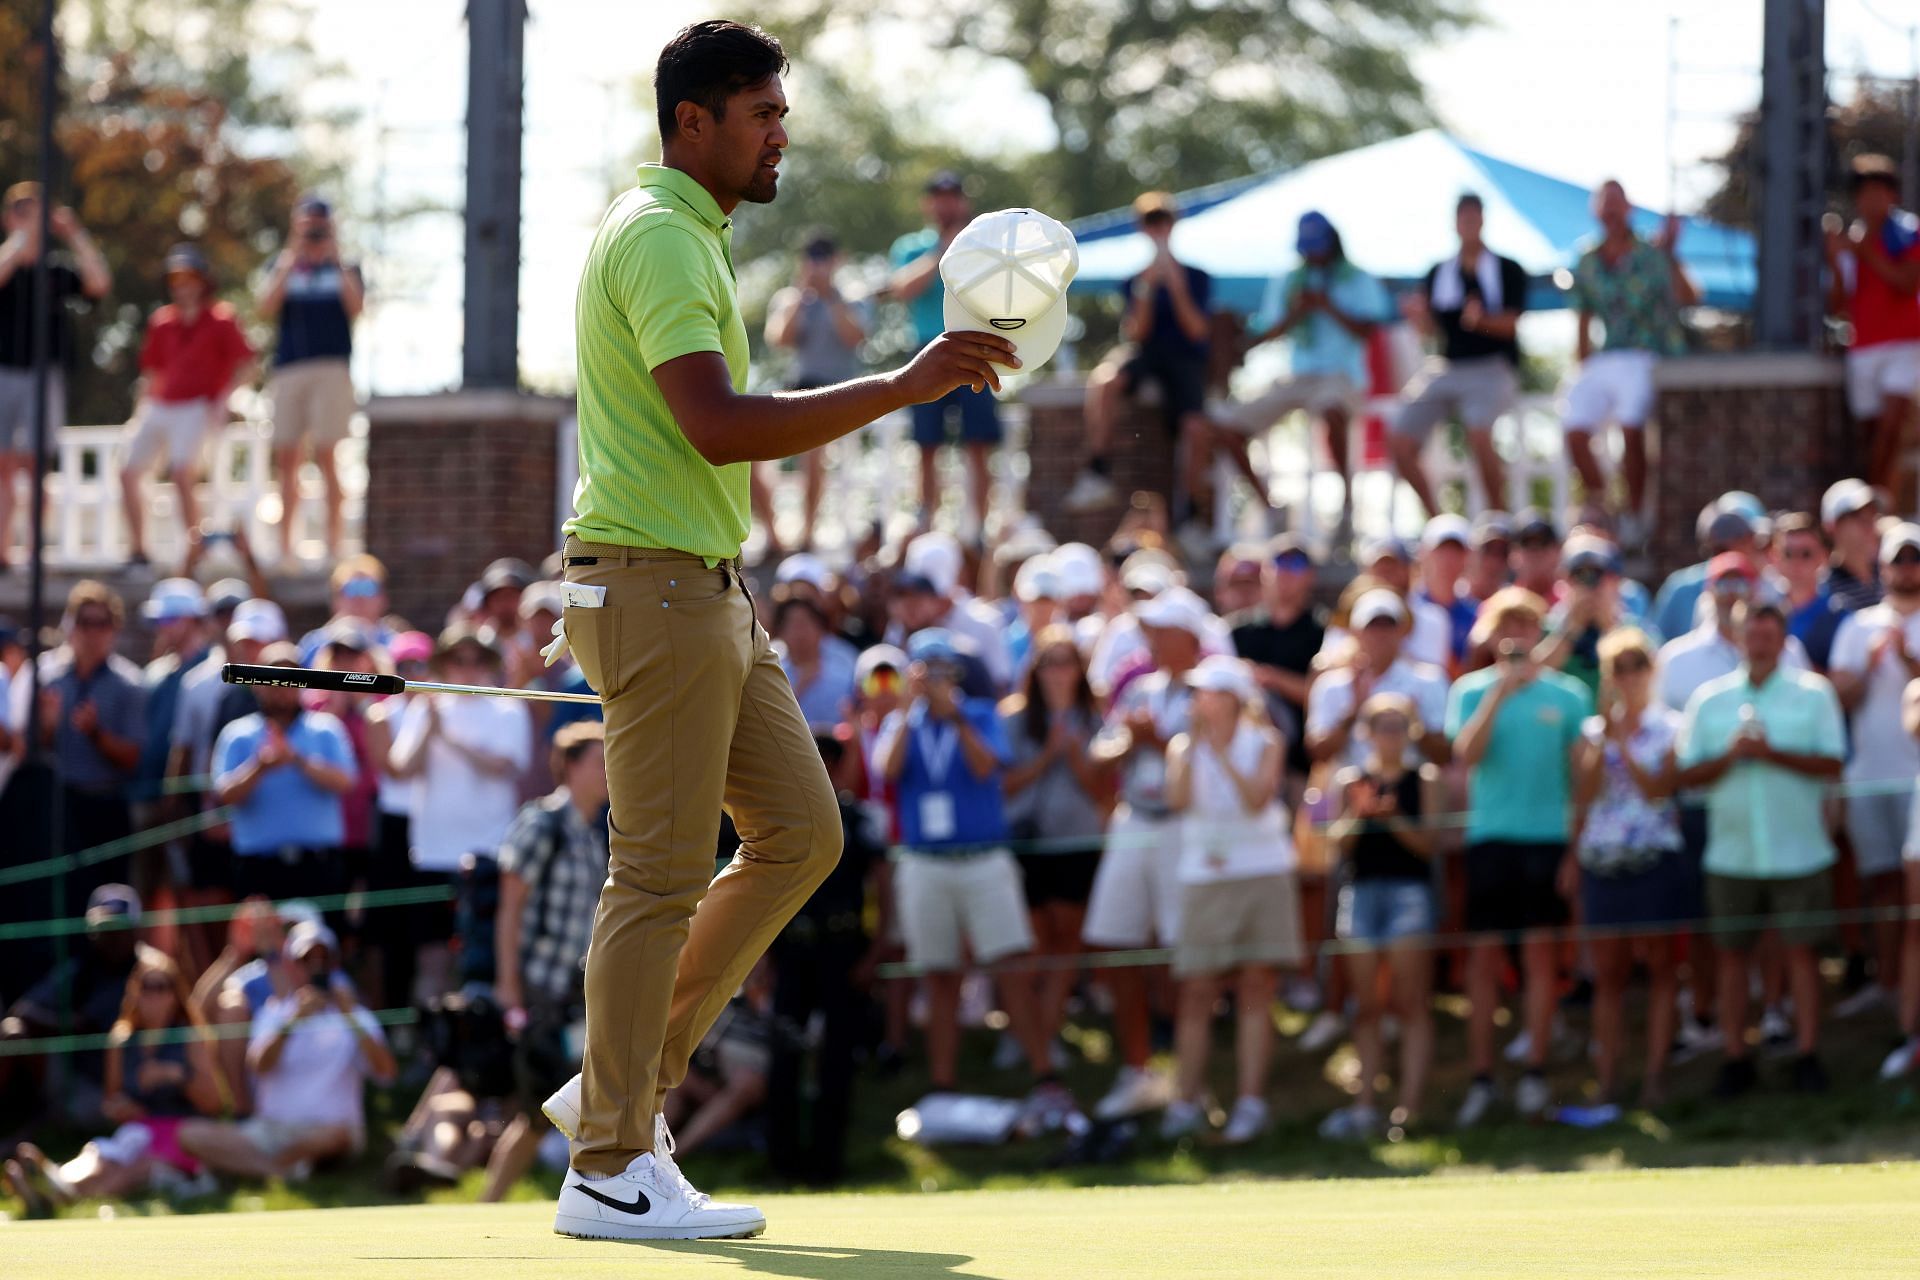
point(707, 63)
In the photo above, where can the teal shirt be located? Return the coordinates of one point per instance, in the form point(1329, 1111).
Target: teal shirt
point(1765, 822)
point(928, 311)
point(1319, 344)
point(1521, 789)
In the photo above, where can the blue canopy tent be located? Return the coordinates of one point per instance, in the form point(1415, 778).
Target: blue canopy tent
point(1393, 204)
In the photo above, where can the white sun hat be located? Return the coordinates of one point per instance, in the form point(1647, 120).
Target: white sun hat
point(1007, 272)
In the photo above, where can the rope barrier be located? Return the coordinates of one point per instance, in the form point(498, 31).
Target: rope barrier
point(114, 848)
point(169, 1035)
point(372, 899)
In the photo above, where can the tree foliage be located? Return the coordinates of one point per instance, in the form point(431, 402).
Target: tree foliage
point(1875, 121)
point(167, 132)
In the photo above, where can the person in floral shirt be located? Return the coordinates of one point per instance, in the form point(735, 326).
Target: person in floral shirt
point(1636, 290)
point(1632, 871)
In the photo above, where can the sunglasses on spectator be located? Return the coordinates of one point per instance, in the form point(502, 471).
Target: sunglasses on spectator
point(883, 680)
point(1732, 586)
point(1293, 562)
point(154, 986)
point(1800, 553)
point(359, 588)
point(93, 621)
point(1631, 666)
point(1060, 659)
point(1389, 725)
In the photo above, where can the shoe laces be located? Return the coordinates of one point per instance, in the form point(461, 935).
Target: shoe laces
point(669, 1169)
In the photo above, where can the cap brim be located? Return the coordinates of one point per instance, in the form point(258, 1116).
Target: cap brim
point(1034, 341)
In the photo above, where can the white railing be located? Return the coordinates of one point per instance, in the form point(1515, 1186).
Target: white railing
point(86, 524)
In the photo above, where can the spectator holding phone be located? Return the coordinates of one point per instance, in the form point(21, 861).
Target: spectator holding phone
point(316, 296)
point(1633, 873)
point(1386, 910)
point(1590, 608)
point(312, 1052)
point(824, 331)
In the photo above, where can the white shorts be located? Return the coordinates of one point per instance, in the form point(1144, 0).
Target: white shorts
point(180, 428)
point(311, 398)
point(1612, 386)
point(1136, 891)
point(1314, 392)
point(1881, 372)
point(947, 899)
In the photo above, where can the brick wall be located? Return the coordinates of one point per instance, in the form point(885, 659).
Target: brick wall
point(1774, 425)
point(1142, 459)
point(455, 481)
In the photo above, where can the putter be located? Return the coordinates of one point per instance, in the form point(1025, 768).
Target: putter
point(376, 682)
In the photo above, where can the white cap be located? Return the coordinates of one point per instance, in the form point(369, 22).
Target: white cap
point(258, 620)
point(1843, 498)
point(803, 566)
point(1176, 608)
point(1037, 580)
point(1223, 674)
point(307, 935)
point(1377, 604)
point(1446, 527)
point(876, 656)
point(173, 599)
point(1007, 272)
point(1903, 535)
point(1152, 576)
point(1082, 572)
point(936, 557)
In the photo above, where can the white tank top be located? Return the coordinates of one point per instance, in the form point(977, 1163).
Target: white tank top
point(1221, 839)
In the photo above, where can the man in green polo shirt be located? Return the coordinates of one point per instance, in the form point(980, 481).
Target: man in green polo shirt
point(699, 714)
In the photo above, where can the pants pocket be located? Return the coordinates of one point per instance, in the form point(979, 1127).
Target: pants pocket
point(594, 637)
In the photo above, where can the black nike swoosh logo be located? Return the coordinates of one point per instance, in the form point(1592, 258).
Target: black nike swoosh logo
point(640, 1204)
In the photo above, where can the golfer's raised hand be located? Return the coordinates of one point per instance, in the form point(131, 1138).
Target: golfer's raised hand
point(957, 359)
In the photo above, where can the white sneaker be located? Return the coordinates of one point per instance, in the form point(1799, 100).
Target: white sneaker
point(1867, 999)
point(1902, 1060)
point(1351, 1124)
point(1323, 1032)
point(1182, 1120)
point(1695, 1038)
point(1533, 1096)
point(1248, 1120)
point(563, 1108)
point(1134, 1090)
point(652, 1200)
point(1481, 1095)
point(1091, 491)
point(1776, 1029)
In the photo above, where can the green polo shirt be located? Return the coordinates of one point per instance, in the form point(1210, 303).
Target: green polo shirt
point(1765, 822)
point(658, 285)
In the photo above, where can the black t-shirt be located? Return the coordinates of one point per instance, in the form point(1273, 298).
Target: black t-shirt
point(16, 314)
point(1377, 851)
point(1290, 648)
point(1462, 344)
point(1167, 340)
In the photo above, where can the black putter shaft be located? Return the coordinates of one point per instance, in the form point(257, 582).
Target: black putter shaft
point(375, 682)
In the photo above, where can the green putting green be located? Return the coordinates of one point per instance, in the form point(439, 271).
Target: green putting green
point(1825, 1221)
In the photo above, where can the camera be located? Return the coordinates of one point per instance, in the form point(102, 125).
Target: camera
point(1587, 575)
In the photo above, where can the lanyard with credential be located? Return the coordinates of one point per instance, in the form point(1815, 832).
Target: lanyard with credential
point(938, 745)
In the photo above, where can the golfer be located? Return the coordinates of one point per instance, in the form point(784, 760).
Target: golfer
point(698, 713)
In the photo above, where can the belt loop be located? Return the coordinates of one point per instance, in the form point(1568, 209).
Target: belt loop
point(626, 557)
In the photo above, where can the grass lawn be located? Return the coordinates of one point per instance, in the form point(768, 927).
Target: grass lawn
point(1835, 1220)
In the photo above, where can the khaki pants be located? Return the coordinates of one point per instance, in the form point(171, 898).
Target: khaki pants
point(699, 716)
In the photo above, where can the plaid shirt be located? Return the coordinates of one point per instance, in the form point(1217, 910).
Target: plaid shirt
point(563, 861)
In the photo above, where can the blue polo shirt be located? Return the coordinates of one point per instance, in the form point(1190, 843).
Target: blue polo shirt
point(1520, 791)
point(285, 808)
point(942, 805)
point(1815, 623)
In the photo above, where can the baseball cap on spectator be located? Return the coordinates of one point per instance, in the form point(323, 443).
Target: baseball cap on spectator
point(933, 644)
point(1745, 503)
point(187, 258)
point(1175, 609)
point(936, 557)
point(297, 911)
point(225, 595)
point(1726, 528)
point(874, 658)
point(1146, 573)
point(1024, 543)
point(281, 653)
point(506, 572)
point(113, 904)
point(1315, 233)
point(1591, 552)
point(411, 646)
point(1222, 674)
point(946, 180)
point(1082, 573)
point(1241, 562)
point(1444, 528)
point(313, 202)
point(1037, 579)
point(1730, 564)
point(1289, 553)
point(1534, 525)
point(1492, 526)
point(1377, 605)
point(1902, 536)
point(258, 620)
point(460, 635)
point(1844, 498)
point(173, 599)
point(1385, 547)
point(1155, 204)
point(1007, 272)
point(542, 597)
point(307, 935)
point(348, 633)
point(803, 566)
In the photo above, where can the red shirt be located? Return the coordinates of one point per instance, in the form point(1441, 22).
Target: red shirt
point(1879, 314)
point(192, 361)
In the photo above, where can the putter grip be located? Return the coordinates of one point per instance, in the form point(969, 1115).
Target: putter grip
point(306, 678)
